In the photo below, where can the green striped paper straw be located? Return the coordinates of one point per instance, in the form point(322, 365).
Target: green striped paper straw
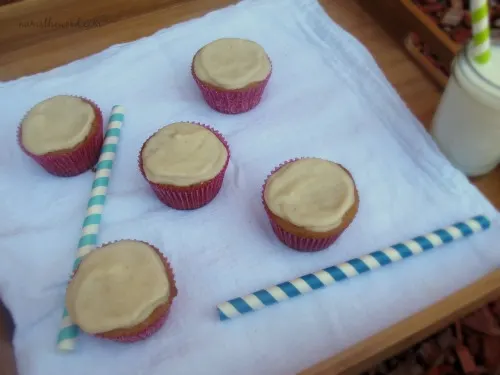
point(90, 228)
point(481, 42)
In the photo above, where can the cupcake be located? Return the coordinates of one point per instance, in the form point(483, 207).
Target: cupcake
point(122, 291)
point(310, 202)
point(63, 134)
point(185, 164)
point(231, 74)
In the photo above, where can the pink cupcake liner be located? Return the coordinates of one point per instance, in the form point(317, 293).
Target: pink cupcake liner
point(302, 244)
point(291, 240)
point(189, 197)
point(158, 323)
point(232, 101)
point(76, 161)
point(143, 335)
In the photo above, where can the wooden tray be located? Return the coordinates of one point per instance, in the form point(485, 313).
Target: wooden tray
point(393, 340)
point(26, 51)
point(401, 17)
point(437, 75)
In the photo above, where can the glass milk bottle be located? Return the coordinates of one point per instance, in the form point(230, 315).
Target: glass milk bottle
point(467, 122)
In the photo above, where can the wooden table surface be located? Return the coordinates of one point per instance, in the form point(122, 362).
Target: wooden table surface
point(37, 35)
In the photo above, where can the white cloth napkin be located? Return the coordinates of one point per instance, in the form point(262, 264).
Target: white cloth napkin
point(326, 98)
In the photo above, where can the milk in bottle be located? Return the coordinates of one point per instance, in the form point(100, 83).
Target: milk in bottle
point(467, 123)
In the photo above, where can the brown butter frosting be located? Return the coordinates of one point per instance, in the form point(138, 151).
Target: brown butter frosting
point(56, 124)
point(117, 286)
point(183, 154)
point(311, 193)
point(231, 63)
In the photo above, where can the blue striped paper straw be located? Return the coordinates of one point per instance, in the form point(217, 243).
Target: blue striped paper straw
point(354, 267)
point(88, 241)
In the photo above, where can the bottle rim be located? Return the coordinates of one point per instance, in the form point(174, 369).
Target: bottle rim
point(467, 53)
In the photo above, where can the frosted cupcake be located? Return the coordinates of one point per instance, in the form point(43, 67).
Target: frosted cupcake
point(63, 134)
point(185, 164)
point(122, 291)
point(310, 202)
point(232, 74)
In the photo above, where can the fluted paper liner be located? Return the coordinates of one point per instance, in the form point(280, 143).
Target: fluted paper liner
point(232, 101)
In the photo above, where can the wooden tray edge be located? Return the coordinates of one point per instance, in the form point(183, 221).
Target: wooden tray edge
point(438, 76)
point(390, 341)
point(427, 22)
